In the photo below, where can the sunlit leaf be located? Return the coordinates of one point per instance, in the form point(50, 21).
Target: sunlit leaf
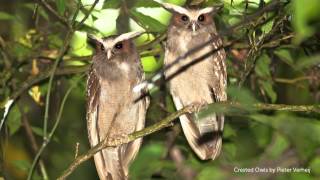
point(305, 12)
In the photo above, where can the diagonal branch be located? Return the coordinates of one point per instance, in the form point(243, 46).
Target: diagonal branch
point(166, 121)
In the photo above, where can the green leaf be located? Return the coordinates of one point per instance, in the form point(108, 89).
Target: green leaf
point(146, 3)
point(61, 6)
point(315, 166)
point(305, 12)
point(210, 172)
point(302, 132)
point(149, 160)
point(14, 120)
point(22, 165)
point(262, 134)
point(147, 22)
point(262, 67)
point(79, 45)
point(6, 16)
point(279, 145)
point(267, 87)
point(241, 95)
point(111, 4)
point(285, 56)
point(266, 28)
point(149, 64)
point(306, 62)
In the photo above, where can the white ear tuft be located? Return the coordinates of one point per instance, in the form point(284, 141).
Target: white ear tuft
point(207, 10)
point(128, 35)
point(174, 8)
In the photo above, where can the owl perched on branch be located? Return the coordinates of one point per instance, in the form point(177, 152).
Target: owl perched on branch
point(204, 82)
point(112, 107)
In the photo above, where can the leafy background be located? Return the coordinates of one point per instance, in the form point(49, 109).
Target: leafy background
point(274, 59)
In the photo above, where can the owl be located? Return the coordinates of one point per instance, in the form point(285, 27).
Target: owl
point(112, 107)
point(204, 82)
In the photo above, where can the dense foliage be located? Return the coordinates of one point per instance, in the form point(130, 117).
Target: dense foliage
point(273, 58)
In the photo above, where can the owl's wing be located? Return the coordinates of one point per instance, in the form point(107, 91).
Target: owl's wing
point(132, 148)
point(218, 91)
point(93, 95)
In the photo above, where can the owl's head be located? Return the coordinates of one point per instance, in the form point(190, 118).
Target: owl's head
point(113, 47)
point(191, 18)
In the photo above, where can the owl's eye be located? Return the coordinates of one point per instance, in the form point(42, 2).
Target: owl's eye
point(102, 47)
point(184, 18)
point(201, 18)
point(118, 46)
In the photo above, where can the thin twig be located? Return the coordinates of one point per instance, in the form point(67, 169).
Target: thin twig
point(32, 140)
point(45, 143)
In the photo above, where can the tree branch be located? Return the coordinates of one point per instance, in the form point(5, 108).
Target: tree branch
point(166, 121)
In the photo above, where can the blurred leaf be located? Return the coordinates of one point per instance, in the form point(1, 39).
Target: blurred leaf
point(149, 160)
point(61, 6)
point(306, 62)
point(146, 3)
point(305, 12)
point(262, 67)
point(14, 120)
point(147, 22)
point(262, 134)
point(242, 95)
point(301, 176)
point(315, 166)
point(278, 146)
point(228, 131)
point(267, 87)
point(230, 150)
point(6, 16)
point(111, 4)
point(210, 172)
point(42, 12)
point(302, 132)
point(285, 56)
point(149, 64)
point(22, 165)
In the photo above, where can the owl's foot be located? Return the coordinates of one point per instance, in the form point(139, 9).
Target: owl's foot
point(118, 140)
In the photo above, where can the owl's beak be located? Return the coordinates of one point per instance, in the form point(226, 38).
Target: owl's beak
point(193, 26)
point(109, 54)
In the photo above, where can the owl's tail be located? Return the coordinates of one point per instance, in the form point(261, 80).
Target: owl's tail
point(109, 164)
point(203, 135)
